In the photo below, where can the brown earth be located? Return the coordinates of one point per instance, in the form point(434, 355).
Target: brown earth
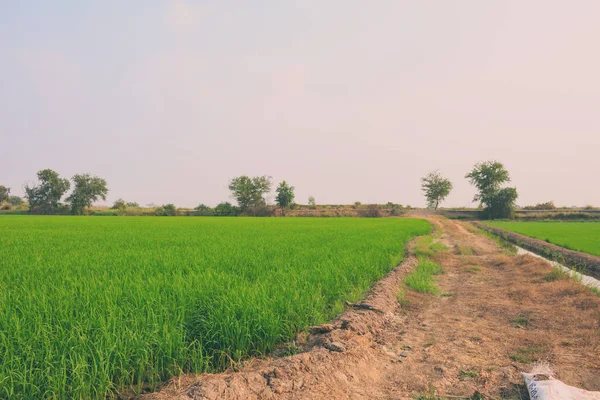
point(496, 315)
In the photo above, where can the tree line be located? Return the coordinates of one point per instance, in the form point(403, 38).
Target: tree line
point(250, 194)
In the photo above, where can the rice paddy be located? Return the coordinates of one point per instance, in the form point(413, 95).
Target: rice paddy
point(578, 236)
point(92, 306)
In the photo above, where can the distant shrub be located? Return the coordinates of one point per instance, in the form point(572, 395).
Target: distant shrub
point(15, 200)
point(119, 205)
point(370, 211)
point(549, 205)
point(167, 210)
point(589, 207)
point(6, 206)
point(132, 204)
point(226, 209)
point(203, 210)
point(260, 211)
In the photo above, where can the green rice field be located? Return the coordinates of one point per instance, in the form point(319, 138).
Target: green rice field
point(91, 306)
point(579, 236)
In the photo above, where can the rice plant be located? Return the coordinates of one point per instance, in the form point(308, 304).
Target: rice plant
point(91, 306)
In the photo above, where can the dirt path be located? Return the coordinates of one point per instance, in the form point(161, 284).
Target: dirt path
point(495, 316)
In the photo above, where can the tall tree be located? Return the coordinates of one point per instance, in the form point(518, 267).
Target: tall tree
point(44, 196)
point(87, 190)
point(285, 195)
point(250, 192)
point(488, 177)
point(4, 193)
point(436, 188)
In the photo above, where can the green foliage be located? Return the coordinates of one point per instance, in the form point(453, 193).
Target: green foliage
point(119, 205)
point(422, 278)
point(285, 195)
point(226, 209)
point(501, 205)
point(436, 188)
point(44, 197)
point(91, 306)
point(578, 236)
point(132, 204)
point(4, 193)
point(166, 210)
point(87, 189)
point(488, 177)
point(250, 192)
point(311, 201)
point(204, 210)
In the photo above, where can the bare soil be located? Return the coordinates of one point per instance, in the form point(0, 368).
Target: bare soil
point(496, 315)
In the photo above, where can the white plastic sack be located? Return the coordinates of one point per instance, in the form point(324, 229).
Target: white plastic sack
point(545, 387)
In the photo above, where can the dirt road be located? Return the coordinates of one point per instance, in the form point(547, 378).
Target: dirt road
point(495, 316)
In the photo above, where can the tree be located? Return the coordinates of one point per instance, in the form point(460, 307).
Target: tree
point(488, 178)
point(4, 193)
point(285, 195)
point(132, 204)
point(44, 197)
point(225, 209)
point(436, 188)
point(311, 201)
point(87, 190)
point(249, 192)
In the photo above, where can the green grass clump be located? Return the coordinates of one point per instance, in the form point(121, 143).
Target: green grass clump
point(422, 277)
point(579, 236)
point(90, 306)
point(556, 274)
point(527, 354)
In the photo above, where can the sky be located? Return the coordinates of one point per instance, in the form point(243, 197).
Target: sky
point(346, 100)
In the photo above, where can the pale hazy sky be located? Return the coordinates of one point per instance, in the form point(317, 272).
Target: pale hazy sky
point(346, 100)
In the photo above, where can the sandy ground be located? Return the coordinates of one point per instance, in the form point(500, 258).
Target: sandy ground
point(495, 316)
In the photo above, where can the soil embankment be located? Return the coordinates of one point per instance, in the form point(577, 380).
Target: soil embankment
point(495, 316)
point(590, 263)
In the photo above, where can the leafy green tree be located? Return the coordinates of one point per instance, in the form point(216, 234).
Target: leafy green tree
point(4, 193)
point(285, 195)
point(225, 209)
point(311, 201)
point(44, 197)
point(488, 177)
point(436, 188)
point(87, 189)
point(132, 204)
point(249, 192)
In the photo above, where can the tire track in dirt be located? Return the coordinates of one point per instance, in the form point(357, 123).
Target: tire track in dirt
point(496, 316)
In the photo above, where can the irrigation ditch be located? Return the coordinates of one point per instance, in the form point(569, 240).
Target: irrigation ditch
point(586, 264)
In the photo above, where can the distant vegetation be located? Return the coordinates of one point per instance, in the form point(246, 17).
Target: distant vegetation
point(250, 194)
